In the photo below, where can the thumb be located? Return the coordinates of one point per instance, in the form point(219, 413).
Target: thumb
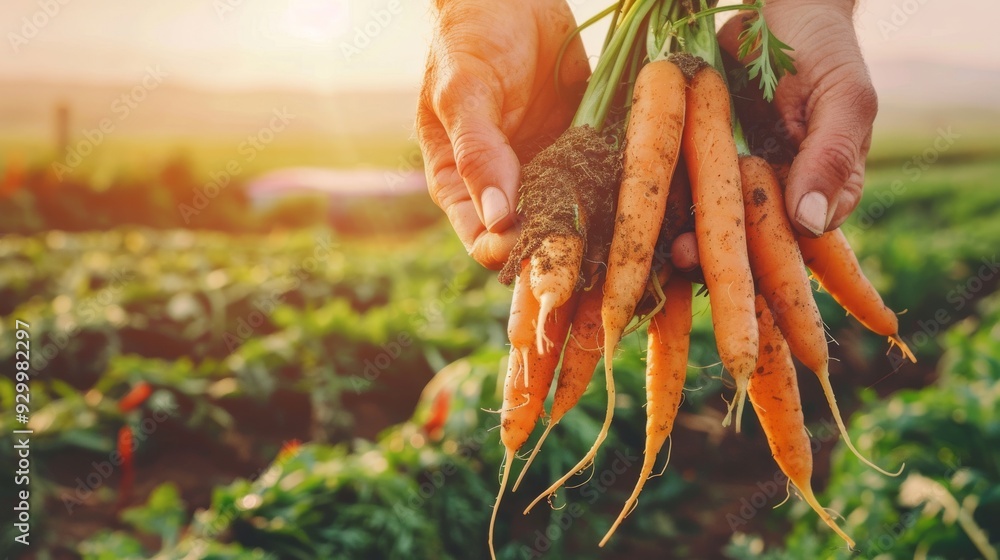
point(826, 178)
point(468, 100)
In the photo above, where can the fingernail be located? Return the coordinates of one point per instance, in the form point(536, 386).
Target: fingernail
point(495, 207)
point(812, 212)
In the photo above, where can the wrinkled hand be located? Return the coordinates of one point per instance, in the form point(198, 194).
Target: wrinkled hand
point(488, 94)
point(827, 108)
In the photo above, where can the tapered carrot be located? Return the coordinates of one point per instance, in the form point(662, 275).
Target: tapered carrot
point(713, 168)
point(774, 393)
point(833, 263)
point(580, 357)
point(781, 278)
point(652, 144)
point(555, 269)
point(666, 369)
point(523, 402)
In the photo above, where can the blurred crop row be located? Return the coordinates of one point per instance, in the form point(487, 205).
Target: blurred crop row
point(382, 355)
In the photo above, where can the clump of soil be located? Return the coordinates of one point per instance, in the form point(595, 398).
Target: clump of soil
point(688, 63)
point(569, 188)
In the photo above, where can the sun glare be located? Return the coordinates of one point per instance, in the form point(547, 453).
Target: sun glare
point(317, 21)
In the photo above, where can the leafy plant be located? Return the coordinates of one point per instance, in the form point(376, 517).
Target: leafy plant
point(947, 502)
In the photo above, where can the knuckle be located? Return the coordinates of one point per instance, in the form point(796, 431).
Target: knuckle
point(472, 152)
point(838, 158)
point(423, 126)
point(453, 89)
point(865, 98)
point(444, 193)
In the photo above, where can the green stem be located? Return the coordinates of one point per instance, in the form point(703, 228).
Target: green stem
point(614, 24)
point(625, 41)
point(622, 61)
point(717, 10)
point(698, 37)
point(604, 83)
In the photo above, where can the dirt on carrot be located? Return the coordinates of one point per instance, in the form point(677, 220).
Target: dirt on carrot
point(569, 188)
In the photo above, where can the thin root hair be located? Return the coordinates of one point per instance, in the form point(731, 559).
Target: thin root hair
point(788, 494)
point(592, 467)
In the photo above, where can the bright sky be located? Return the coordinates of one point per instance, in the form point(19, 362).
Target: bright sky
point(302, 43)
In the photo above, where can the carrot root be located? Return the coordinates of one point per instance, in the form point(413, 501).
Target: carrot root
point(645, 474)
point(589, 457)
point(737, 404)
point(534, 452)
point(831, 399)
point(896, 340)
point(523, 353)
point(546, 303)
point(508, 461)
point(810, 498)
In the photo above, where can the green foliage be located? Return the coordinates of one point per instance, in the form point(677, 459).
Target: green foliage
point(242, 336)
point(948, 434)
point(163, 515)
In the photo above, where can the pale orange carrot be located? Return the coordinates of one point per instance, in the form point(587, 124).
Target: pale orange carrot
point(523, 403)
point(781, 278)
point(652, 144)
point(713, 168)
point(774, 393)
point(580, 357)
point(833, 263)
point(666, 369)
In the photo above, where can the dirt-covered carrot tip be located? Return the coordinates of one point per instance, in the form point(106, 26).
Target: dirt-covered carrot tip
point(774, 393)
point(781, 277)
point(666, 369)
point(523, 401)
point(566, 206)
point(713, 169)
point(580, 358)
point(835, 266)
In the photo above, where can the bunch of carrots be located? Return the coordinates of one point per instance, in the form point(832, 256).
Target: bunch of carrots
point(576, 290)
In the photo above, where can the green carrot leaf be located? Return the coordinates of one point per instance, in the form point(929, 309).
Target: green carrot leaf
point(772, 59)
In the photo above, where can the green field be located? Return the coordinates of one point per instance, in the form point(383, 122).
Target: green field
point(256, 339)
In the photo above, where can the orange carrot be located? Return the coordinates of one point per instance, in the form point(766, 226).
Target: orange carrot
point(774, 393)
point(555, 268)
point(781, 278)
point(652, 143)
point(523, 315)
point(833, 263)
point(523, 403)
point(666, 369)
point(583, 351)
point(713, 169)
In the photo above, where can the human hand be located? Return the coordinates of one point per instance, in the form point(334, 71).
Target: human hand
point(488, 94)
point(827, 108)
